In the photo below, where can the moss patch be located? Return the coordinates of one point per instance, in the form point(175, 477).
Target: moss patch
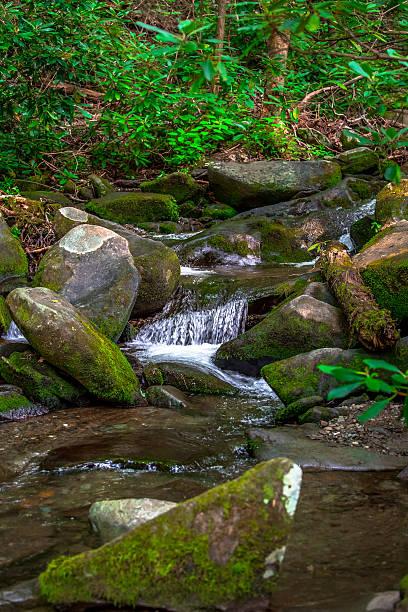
point(388, 280)
point(13, 401)
point(178, 184)
point(5, 316)
point(134, 207)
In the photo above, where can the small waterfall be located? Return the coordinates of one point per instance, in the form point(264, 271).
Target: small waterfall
point(351, 217)
point(185, 323)
point(13, 334)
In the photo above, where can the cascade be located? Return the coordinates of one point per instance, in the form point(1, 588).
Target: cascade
point(13, 334)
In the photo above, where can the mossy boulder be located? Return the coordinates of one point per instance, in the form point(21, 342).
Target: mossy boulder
point(192, 379)
point(68, 340)
point(49, 196)
point(5, 316)
point(249, 185)
point(13, 404)
point(215, 551)
point(362, 231)
point(392, 202)
point(92, 267)
point(298, 376)
point(157, 264)
point(295, 410)
point(39, 381)
point(166, 227)
point(166, 396)
point(13, 260)
point(181, 186)
point(218, 212)
point(358, 160)
point(383, 264)
point(153, 375)
point(134, 207)
point(101, 186)
point(300, 325)
point(254, 239)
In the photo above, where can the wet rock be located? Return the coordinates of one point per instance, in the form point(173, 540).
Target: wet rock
point(14, 403)
point(216, 551)
point(248, 185)
point(93, 269)
point(112, 518)
point(129, 333)
point(303, 324)
point(84, 193)
point(192, 379)
point(136, 364)
point(157, 264)
point(392, 202)
point(134, 207)
point(318, 414)
point(23, 596)
point(49, 196)
point(362, 231)
point(167, 227)
point(9, 347)
point(152, 374)
point(292, 411)
point(294, 441)
point(383, 265)
point(39, 381)
point(383, 602)
point(298, 376)
point(167, 397)
point(181, 186)
point(101, 186)
point(358, 160)
point(64, 336)
point(403, 475)
point(237, 241)
point(13, 261)
point(5, 316)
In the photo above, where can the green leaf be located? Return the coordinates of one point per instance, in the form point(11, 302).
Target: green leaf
point(342, 391)
point(373, 410)
point(208, 70)
point(343, 374)
point(313, 23)
point(375, 364)
point(399, 379)
point(355, 66)
point(393, 173)
point(295, 113)
point(405, 411)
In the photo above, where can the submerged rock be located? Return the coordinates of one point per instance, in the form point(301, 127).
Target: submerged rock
point(93, 269)
point(248, 185)
point(134, 207)
point(392, 202)
point(166, 396)
point(302, 324)
point(157, 264)
point(13, 261)
point(113, 517)
point(220, 550)
point(66, 338)
point(191, 379)
point(181, 186)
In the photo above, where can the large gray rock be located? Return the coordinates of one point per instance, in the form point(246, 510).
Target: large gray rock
point(93, 269)
point(134, 207)
point(67, 339)
point(302, 324)
point(260, 183)
point(111, 518)
point(100, 185)
point(158, 265)
point(13, 261)
point(221, 550)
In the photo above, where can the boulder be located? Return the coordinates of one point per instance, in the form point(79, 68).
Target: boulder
point(113, 517)
point(383, 264)
point(92, 268)
point(319, 291)
point(303, 324)
point(14, 405)
point(157, 264)
point(218, 212)
point(237, 241)
point(221, 550)
point(298, 377)
point(248, 185)
point(181, 186)
point(166, 396)
point(49, 196)
point(392, 202)
point(66, 338)
point(358, 160)
point(134, 207)
point(190, 379)
point(5, 316)
point(362, 231)
point(39, 381)
point(100, 186)
point(13, 261)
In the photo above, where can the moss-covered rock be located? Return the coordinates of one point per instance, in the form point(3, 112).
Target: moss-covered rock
point(153, 375)
point(194, 380)
point(303, 324)
point(134, 207)
point(392, 202)
point(5, 316)
point(296, 409)
point(215, 551)
point(383, 264)
point(218, 211)
point(358, 160)
point(39, 380)
point(349, 142)
point(49, 196)
point(68, 340)
point(181, 186)
point(157, 264)
point(166, 396)
point(248, 185)
point(167, 227)
point(13, 403)
point(13, 261)
point(362, 231)
point(92, 267)
point(101, 186)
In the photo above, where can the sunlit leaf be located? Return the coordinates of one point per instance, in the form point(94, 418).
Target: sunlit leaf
point(373, 410)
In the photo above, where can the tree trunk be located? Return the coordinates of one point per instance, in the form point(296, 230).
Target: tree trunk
point(373, 326)
point(220, 36)
point(277, 46)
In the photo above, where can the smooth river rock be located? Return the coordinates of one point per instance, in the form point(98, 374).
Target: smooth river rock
point(221, 550)
point(13, 261)
point(67, 339)
point(92, 268)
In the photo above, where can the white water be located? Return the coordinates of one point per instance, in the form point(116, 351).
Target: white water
point(187, 271)
point(13, 334)
point(363, 211)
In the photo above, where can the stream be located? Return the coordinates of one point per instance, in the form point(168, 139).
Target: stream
point(350, 534)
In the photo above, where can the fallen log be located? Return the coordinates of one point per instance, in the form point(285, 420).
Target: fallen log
point(372, 325)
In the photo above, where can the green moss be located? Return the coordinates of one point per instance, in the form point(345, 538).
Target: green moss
point(13, 401)
point(5, 316)
point(404, 585)
point(233, 244)
point(13, 261)
point(361, 189)
point(392, 202)
point(299, 383)
point(219, 211)
point(178, 184)
point(133, 207)
point(50, 196)
point(153, 374)
point(194, 380)
point(279, 243)
point(388, 281)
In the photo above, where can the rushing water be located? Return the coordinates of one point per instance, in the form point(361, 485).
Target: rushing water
point(13, 334)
